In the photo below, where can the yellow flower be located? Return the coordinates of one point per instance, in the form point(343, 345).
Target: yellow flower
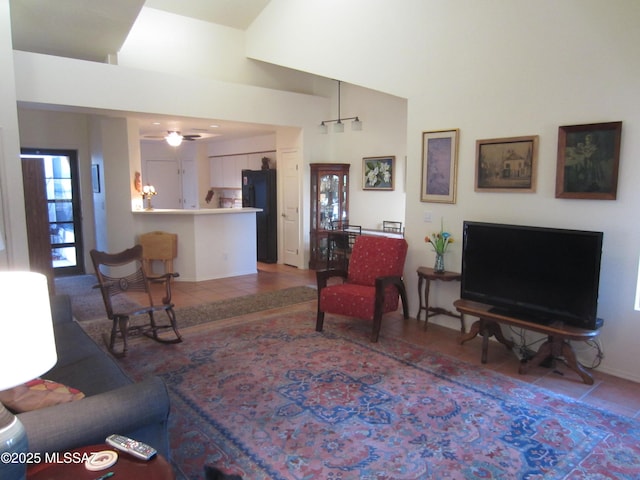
point(439, 240)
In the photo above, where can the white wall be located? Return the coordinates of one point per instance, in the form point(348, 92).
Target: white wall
point(64, 131)
point(384, 119)
point(12, 218)
point(202, 49)
point(493, 69)
point(241, 145)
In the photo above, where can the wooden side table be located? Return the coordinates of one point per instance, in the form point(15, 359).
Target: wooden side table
point(127, 466)
point(425, 276)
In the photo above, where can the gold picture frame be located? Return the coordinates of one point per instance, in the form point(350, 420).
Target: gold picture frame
point(439, 166)
point(507, 164)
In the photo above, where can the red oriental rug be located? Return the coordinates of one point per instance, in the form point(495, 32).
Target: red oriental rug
point(267, 397)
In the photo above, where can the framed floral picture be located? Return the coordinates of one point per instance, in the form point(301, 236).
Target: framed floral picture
point(378, 173)
point(507, 164)
point(439, 166)
point(588, 160)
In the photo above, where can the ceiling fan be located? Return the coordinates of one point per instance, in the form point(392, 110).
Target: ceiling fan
point(175, 138)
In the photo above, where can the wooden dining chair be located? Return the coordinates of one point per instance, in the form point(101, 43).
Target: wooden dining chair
point(340, 245)
point(391, 226)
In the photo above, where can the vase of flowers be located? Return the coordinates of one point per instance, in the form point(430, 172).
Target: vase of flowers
point(440, 242)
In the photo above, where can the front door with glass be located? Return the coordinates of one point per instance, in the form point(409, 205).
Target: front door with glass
point(58, 171)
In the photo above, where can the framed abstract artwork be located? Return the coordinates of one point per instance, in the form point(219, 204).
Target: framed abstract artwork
point(439, 166)
point(588, 161)
point(378, 173)
point(506, 164)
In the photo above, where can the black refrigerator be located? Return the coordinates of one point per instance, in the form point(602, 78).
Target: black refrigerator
point(259, 191)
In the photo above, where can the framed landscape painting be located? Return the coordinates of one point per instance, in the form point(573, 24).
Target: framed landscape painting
point(378, 173)
point(588, 161)
point(439, 166)
point(506, 164)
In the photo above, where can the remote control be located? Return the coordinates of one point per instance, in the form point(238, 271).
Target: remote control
point(135, 448)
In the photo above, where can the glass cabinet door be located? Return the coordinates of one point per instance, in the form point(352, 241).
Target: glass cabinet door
point(329, 206)
point(330, 201)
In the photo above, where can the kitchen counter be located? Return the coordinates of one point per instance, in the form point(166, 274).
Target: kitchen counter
point(212, 243)
point(202, 211)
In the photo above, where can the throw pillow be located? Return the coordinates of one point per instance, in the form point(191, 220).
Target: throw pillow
point(38, 393)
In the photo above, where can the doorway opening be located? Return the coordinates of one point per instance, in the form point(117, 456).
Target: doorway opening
point(57, 170)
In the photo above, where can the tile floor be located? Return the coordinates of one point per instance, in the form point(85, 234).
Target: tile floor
point(609, 392)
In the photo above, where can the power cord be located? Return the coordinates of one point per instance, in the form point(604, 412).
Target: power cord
point(525, 350)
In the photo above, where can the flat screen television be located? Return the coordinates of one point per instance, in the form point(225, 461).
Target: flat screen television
point(535, 273)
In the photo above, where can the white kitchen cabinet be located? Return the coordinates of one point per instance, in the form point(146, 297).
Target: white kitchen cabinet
point(217, 175)
point(226, 171)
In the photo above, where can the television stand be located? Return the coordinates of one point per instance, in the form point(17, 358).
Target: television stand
point(556, 346)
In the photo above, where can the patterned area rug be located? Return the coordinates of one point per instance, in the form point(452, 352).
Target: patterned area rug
point(267, 397)
point(208, 312)
point(86, 301)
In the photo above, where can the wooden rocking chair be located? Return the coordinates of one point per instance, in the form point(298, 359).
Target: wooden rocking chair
point(121, 273)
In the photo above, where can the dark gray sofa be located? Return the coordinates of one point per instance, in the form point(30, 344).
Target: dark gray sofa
point(113, 403)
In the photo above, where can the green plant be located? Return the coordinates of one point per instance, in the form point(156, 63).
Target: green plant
point(439, 240)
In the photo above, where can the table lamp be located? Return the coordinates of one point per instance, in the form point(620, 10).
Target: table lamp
point(27, 350)
point(148, 191)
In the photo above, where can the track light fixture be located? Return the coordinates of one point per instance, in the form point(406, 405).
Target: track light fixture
point(338, 126)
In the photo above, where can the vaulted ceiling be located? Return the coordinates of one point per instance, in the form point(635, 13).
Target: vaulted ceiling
point(93, 29)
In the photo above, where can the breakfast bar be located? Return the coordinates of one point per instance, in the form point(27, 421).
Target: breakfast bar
point(212, 243)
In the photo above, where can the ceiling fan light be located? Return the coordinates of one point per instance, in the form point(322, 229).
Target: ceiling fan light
point(174, 139)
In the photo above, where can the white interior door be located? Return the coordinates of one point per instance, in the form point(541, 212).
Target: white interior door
point(291, 208)
point(164, 175)
point(189, 184)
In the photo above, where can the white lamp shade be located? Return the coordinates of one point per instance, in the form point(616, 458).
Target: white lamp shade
point(149, 190)
point(27, 342)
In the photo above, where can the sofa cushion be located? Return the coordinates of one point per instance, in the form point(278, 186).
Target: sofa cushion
point(82, 363)
point(37, 394)
point(92, 375)
point(73, 343)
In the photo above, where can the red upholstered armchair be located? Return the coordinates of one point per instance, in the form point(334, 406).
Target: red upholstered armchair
point(373, 284)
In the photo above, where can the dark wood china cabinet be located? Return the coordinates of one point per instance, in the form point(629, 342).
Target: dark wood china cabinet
point(329, 206)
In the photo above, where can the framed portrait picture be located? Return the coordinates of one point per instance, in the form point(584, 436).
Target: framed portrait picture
point(507, 164)
point(439, 166)
point(588, 160)
point(378, 173)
